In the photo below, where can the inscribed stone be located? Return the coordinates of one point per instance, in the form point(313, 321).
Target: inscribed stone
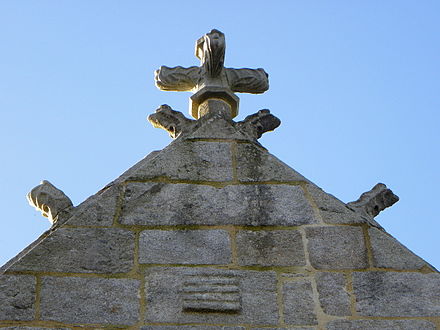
point(165, 297)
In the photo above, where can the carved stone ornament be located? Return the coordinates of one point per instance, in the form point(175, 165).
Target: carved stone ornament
point(259, 123)
point(174, 122)
point(212, 79)
point(374, 201)
point(49, 200)
point(218, 293)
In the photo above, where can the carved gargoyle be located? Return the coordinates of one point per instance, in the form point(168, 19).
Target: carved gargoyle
point(372, 202)
point(259, 123)
point(174, 122)
point(49, 200)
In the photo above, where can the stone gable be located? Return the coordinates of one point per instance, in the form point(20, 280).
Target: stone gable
point(214, 232)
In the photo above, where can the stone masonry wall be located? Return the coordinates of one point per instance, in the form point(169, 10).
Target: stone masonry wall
point(217, 235)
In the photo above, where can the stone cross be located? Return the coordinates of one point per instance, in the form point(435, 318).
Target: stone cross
point(212, 80)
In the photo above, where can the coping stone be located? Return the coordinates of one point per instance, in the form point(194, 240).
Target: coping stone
point(270, 248)
point(81, 250)
point(194, 204)
point(17, 297)
point(299, 308)
point(333, 295)
point(333, 210)
point(389, 253)
point(257, 164)
point(217, 128)
point(188, 160)
point(185, 247)
point(339, 247)
point(397, 294)
point(165, 295)
point(98, 210)
point(380, 325)
point(90, 300)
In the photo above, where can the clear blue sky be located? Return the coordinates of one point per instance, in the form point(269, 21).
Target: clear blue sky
point(355, 84)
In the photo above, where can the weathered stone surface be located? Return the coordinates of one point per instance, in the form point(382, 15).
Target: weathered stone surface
point(189, 327)
point(217, 127)
point(143, 163)
point(219, 292)
point(256, 164)
point(98, 210)
point(32, 328)
point(389, 253)
point(270, 248)
point(17, 297)
point(333, 295)
point(49, 200)
point(90, 300)
point(374, 201)
point(332, 209)
point(179, 204)
point(340, 247)
point(380, 325)
point(174, 122)
point(188, 160)
point(257, 124)
point(185, 247)
point(295, 328)
point(165, 297)
point(81, 250)
point(299, 308)
point(211, 80)
point(397, 294)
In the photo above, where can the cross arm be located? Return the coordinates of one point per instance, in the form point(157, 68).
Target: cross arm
point(255, 81)
point(177, 79)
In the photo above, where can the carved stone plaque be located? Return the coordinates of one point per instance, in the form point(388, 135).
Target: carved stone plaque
point(211, 293)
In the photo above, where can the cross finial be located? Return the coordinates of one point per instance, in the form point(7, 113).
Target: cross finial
point(212, 80)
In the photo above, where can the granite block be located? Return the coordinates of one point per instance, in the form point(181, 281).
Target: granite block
point(333, 296)
point(81, 250)
point(397, 294)
point(339, 247)
point(169, 288)
point(17, 297)
point(90, 300)
point(194, 204)
point(184, 247)
point(389, 253)
point(380, 325)
point(299, 308)
point(270, 248)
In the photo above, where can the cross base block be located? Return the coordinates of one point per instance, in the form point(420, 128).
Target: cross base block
point(213, 92)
